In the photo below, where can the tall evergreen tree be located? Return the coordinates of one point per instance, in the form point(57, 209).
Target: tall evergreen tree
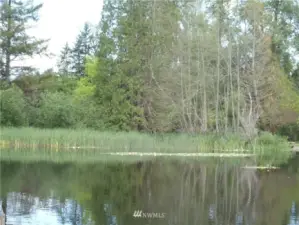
point(15, 43)
point(135, 55)
point(65, 61)
point(84, 46)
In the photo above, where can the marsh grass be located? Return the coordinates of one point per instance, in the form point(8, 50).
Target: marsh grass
point(86, 144)
point(272, 149)
point(64, 140)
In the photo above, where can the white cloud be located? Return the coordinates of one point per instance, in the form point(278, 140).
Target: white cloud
point(61, 21)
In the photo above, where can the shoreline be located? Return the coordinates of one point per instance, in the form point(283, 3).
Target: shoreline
point(50, 142)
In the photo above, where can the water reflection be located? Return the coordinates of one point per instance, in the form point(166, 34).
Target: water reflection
point(26, 209)
point(215, 193)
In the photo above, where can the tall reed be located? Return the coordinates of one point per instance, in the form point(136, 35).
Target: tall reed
point(91, 142)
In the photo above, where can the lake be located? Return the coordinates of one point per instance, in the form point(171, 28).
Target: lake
point(215, 192)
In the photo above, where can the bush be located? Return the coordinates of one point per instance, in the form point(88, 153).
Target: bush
point(273, 149)
point(12, 107)
point(290, 130)
point(90, 114)
point(57, 109)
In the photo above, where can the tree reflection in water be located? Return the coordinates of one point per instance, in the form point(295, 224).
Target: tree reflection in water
point(211, 192)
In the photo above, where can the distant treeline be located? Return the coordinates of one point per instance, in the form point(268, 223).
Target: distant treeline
point(162, 67)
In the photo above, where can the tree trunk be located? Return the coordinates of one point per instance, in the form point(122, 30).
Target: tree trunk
point(4, 207)
point(8, 45)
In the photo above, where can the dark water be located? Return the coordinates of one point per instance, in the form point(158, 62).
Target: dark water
point(170, 192)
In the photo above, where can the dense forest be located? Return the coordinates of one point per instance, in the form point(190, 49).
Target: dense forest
point(159, 66)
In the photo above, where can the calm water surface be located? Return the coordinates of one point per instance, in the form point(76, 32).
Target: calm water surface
point(170, 192)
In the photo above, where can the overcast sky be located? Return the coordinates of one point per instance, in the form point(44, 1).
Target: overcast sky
point(61, 21)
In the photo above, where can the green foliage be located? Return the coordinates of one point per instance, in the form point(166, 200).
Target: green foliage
point(15, 42)
point(117, 95)
point(273, 149)
point(84, 46)
point(289, 95)
point(267, 138)
point(12, 107)
point(86, 85)
point(65, 60)
point(66, 85)
point(4, 84)
point(290, 130)
point(56, 109)
point(36, 84)
point(283, 20)
point(157, 66)
point(90, 114)
point(138, 142)
point(295, 77)
point(118, 80)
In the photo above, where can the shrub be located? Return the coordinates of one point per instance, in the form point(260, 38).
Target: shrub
point(290, 130)
point(12, 107)
point(272, 148)
point(57, 109)
point(90, 114)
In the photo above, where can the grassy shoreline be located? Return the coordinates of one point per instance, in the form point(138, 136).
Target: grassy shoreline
point(90, 142)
